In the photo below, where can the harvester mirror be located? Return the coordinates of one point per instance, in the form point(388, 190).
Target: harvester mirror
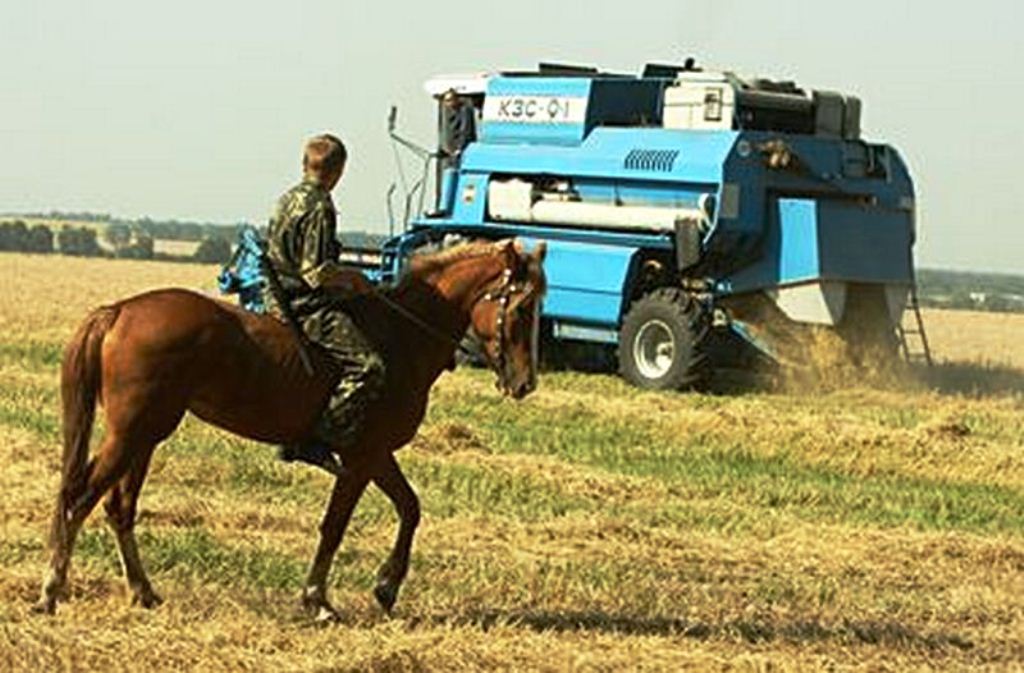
point(392, 119)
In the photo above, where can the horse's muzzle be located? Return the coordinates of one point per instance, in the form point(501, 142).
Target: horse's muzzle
point(522, 389)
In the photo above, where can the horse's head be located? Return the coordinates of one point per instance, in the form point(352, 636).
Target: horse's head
point(506, 317)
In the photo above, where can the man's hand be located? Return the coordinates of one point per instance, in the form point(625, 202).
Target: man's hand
point(339, 280)
point(348, 283)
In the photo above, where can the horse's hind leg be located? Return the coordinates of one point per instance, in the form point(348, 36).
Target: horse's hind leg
point(103, 470)
point(388, 476)
point(121, 506)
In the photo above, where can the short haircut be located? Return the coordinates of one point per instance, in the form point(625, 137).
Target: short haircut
point(324, 154)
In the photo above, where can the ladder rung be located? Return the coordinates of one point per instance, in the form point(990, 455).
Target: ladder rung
point(916, 329)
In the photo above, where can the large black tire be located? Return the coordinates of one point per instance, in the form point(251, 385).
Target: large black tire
point(662, 343)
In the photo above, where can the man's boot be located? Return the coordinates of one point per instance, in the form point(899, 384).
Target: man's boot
point(341, 421)
point(315, 450)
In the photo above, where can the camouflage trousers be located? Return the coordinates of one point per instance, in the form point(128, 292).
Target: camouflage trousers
point(362, 375)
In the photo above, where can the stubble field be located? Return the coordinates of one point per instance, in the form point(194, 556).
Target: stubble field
point(589, 527)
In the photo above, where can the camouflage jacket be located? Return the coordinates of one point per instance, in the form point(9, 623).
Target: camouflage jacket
point(302, 246)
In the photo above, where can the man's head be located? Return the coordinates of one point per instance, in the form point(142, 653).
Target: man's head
point(450, 98)
point(324, 160)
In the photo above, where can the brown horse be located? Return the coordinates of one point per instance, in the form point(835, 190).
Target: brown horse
point(151, 358)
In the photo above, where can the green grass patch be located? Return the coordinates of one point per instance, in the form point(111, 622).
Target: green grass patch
point(448, 489)
point(705, 465)
point(13, 552)
point(194, 553)
point(32, 408)
point(34, 356)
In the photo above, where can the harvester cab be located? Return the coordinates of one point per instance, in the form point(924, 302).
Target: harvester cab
point(459, 101)
point(694, 219)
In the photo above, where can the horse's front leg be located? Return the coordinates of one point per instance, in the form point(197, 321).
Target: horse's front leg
point(348, 488)
point(388, 476)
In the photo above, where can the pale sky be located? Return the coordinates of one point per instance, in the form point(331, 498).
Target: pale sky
point(198, 110)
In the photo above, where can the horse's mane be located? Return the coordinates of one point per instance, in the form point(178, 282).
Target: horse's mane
point(367, 309)
point(431, 261)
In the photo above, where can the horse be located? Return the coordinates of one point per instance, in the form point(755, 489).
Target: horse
point(149, 359)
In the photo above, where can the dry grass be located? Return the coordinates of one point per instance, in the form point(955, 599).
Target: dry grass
point(591, 527)
point(973, 336)
point(42, 297)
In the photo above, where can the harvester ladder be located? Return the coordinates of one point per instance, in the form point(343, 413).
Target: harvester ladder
point(916, 330)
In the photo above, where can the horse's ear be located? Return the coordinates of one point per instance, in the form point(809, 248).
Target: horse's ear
point(505, 247)
point(507, 250)
point(540, 251)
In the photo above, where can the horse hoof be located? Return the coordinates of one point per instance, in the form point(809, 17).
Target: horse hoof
point(44, 606)
point(147, 599)
point(327, 615)
point(317, 605)
point(386, 595)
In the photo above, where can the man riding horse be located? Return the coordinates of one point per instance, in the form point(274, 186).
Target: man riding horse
point(303, 254)
point(150, 359)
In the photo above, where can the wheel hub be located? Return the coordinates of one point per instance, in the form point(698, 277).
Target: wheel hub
point(654, 349)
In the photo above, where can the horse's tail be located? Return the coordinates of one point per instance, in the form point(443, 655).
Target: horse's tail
point(80, 380)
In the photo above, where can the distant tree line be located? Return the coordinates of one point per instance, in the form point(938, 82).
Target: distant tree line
point(129, 243)
point(970, 290)
point(78, 242)
point(135, 238)
point(125, 242)
point(168, 230)
point(19, 237)
point(213, 250)
point(172, 230)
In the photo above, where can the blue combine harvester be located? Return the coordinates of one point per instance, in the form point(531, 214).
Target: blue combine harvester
point(694, 220)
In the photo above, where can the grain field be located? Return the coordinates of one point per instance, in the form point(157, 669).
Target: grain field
point(589, 527)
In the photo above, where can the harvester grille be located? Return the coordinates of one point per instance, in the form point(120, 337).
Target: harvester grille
point(651, 160)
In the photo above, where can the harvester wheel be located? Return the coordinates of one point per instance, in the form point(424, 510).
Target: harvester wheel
point(662, 342)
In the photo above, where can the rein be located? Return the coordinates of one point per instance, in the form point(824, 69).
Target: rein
point(422, 324)
point(503, 294)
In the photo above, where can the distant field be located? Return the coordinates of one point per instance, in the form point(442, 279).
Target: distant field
point(176, 248)
point(589, 527)
point(975, 336)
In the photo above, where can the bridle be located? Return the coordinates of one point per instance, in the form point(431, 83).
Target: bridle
point(508, 295)
point(504, 295)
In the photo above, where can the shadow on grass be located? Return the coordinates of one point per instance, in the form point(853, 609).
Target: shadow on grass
point(948, 378)
point(971, 378)
point(752, 631)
